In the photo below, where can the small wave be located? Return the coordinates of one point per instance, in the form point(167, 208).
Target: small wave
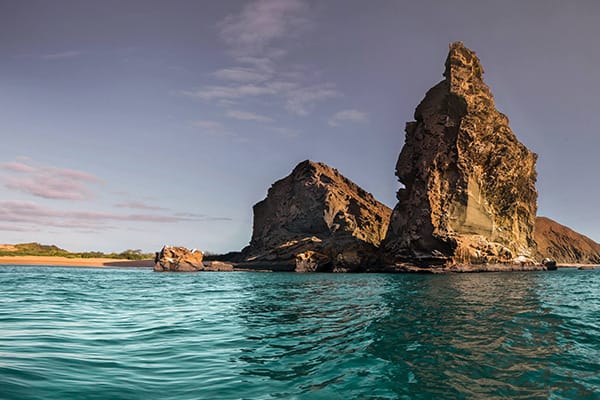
point(129, 334)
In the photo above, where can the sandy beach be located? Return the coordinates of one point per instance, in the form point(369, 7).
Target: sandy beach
point(74, 262)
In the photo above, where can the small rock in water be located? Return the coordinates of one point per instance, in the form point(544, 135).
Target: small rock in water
point(178, 259)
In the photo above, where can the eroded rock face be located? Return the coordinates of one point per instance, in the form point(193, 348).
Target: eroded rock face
point(316, 209)
point(564, 245)
point(178, 259)
point(469, 195)
point(311, 261)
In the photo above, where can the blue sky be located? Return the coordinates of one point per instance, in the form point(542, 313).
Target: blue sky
point(131, 124)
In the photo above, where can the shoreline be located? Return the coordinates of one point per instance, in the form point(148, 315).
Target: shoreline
point(74, 262)
point(575, 265)
point(116, 262)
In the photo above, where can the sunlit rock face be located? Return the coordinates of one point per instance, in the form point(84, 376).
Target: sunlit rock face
point(469, 192)
point(315, 219)
point(563, 245)
point(178, 259)
point(181, 259)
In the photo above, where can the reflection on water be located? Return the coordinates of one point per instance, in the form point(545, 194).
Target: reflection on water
point(482, 336)
point(132, 334)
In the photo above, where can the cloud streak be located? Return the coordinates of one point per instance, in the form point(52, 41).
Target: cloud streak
point(32, 214)
point(139, 205)
point(239, 74)
point(48, 182)
point(347, 116)
point(61, 55)
point(248, 116)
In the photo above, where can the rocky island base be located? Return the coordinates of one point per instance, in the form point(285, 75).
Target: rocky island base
point(468, 202)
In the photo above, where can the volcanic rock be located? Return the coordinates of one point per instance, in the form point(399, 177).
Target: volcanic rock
point(178, 259)
point(549, 263)
point(563, 244)
point(311, 261)
point(469, 192)
point(316, 219)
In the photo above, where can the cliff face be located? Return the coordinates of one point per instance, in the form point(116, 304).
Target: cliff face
point(469, 192)
point(564, 245)
point(316, 219)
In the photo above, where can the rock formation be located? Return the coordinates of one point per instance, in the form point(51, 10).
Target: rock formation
point(562, 244)
point(469, 195)
point(317, 220)
point(180, 259)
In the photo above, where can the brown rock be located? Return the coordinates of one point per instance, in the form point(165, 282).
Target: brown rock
point(217, 266)
point(178, 259)
point(563, 244)
point(316, 209)
point(469, 195)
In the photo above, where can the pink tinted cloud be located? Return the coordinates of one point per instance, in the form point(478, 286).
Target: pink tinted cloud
point(139, 205)
point(28, 213)
point(16, 166)
point(48, 182)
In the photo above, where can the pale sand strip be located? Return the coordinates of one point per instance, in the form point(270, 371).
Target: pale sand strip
point(74, 262)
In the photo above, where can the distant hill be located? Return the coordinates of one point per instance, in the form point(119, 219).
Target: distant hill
point(563, 244)
point(37, 249)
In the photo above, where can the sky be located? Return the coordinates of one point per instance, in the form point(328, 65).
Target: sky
point(132, 124)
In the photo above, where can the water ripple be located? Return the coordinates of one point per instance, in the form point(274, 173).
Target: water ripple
point(81, 333)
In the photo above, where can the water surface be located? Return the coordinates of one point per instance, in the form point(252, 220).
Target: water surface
point(86, 333)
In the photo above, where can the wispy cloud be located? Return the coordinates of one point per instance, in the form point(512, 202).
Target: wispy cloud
point(14, 228)
point(61, 55)
point(348, 116)
point(16, 166)
point(239, 74)
point(261, 23)
point(230, 92)
point(255, 37)
point(248, 116)
point(47, 181)
point(32, 214)
point(139, 205)
point(301, 100)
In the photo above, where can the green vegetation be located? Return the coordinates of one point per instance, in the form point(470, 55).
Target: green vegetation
point(36, 249)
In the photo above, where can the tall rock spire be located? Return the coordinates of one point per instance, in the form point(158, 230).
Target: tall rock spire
point(469, 185)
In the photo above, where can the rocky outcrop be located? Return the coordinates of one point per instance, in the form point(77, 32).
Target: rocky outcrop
point(180, 259)
point(564, 245)
point(469, 194)
point(317, 220)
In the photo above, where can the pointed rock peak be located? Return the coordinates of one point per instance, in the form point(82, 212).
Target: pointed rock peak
point(469, 185)
point(462, 61)
point(308, 167)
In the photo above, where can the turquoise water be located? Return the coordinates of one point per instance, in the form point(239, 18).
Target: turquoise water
point(77, 333)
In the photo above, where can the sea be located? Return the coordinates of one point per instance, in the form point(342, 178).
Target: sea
point(95, 333)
